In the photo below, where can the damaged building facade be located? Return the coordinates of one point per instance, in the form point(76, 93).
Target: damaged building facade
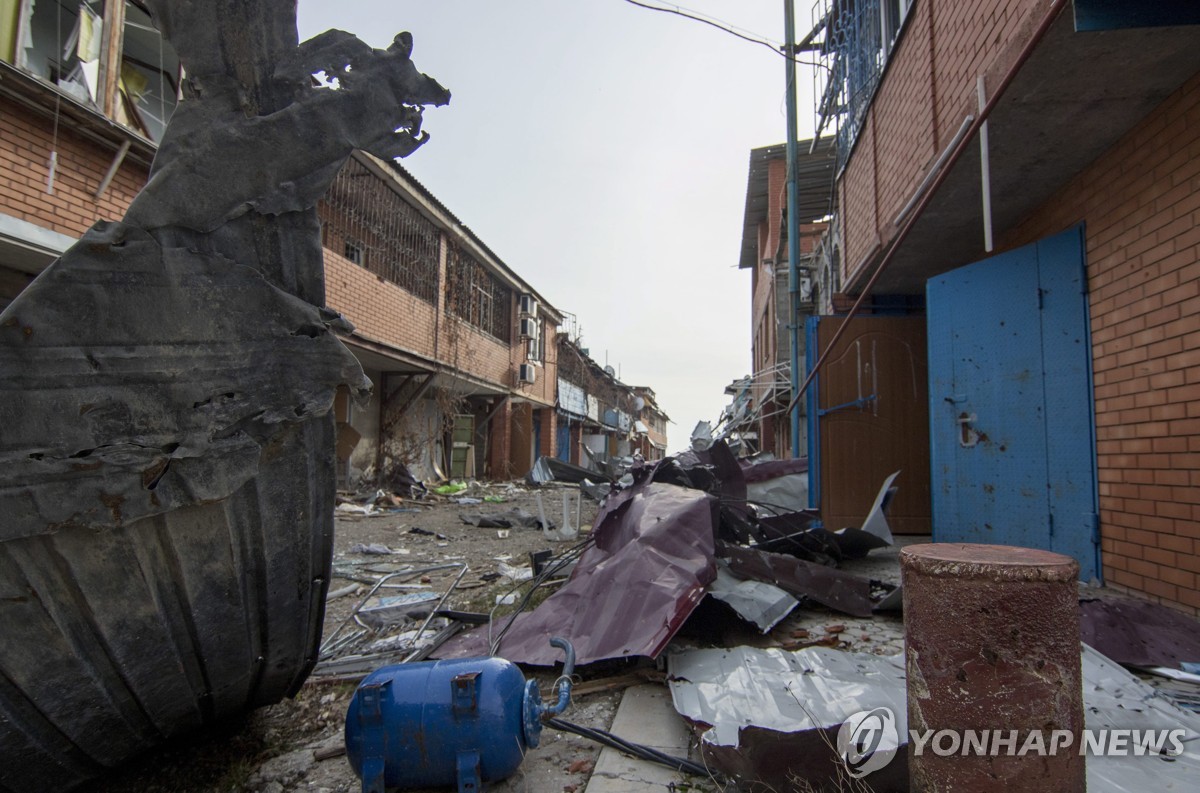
point(759, 412)
point(602, 419)
point(1016, 196)
point(460, 349)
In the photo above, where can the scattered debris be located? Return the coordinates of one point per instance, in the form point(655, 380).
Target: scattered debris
point(771, 717)
point(1139, 633)
point(551, 469)
point(374, 549)
point(650, 564)
point(755, 601)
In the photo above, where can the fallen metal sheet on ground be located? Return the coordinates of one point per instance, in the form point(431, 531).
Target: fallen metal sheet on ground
point(651, 564)
point(825, 585)
point(771, 716)
point(1138, 633)
point(1115, 699)
point(552, 469)
point(755, 601)
point(502, 520)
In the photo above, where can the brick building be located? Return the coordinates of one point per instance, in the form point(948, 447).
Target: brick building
point(1033, 328)
point(462, 351)
point(760, 417)
point(601, 418)
point(650, 424)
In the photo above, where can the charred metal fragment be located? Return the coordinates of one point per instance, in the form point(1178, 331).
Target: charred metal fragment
point(166, 464)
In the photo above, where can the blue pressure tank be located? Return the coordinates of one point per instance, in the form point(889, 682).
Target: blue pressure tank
point(463, 722)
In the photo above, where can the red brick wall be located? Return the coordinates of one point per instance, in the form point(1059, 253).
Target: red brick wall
point(1140, 202)
point(379, 309)
point(929, 87)
point(25, 145)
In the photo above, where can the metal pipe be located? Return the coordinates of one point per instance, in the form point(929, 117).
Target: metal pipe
point(985, 170)
point(112, 169)
point(793, 220)
point(564, 680)
point(934, 169)
point(1040, 33)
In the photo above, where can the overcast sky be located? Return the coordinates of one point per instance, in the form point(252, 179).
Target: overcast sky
point(601, 150)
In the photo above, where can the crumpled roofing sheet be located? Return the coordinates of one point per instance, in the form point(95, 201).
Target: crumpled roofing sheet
point(651, 564)
point(748, 697)
point(755, 601)
point(786, 691)
point(1139, 633)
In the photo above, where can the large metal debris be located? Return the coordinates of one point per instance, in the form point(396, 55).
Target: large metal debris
point(651, 564)
point(166, 482)
point(770, 718)
point(1138, 633)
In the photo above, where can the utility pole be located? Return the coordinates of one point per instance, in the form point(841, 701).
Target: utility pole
point(793, 212)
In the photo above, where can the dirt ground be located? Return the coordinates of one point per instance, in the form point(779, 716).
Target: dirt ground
point(272, 749)
point(276, 749)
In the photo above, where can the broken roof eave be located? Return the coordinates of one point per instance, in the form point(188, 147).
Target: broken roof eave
point(815, 174)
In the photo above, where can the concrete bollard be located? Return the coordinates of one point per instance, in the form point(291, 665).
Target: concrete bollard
point(992, 643)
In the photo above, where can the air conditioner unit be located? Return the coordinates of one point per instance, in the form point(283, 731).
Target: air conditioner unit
point(527, 373)
point(529, 328)
point(529, 306)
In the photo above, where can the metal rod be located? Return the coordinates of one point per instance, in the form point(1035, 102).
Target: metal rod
point(793, 220)
point(903, 233)
point(934, 170)
point(113, 168)
point(985, 169)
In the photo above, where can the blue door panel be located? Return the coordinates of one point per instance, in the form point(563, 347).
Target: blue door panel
point(1070, 417)
point(1011, 427)
point(563, 441)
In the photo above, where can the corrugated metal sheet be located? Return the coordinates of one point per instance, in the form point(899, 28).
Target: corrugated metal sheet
point(572, 398)
point(754, 698)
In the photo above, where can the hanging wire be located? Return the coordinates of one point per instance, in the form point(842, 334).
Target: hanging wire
point(162, 88)
point(559, 563)
point(52, 165)
point(722, 25)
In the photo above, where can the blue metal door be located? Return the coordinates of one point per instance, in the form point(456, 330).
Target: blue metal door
point(562, 446)
point(1012, 433)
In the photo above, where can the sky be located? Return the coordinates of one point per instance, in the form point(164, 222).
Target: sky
point(601, 150)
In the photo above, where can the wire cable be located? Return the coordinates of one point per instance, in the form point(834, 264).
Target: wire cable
point(628, 747)
point(722, 25)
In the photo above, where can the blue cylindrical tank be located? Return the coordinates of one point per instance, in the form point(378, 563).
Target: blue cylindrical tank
point(441, 723)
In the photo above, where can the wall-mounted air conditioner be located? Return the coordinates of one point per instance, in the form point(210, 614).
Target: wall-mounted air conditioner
point(529, 328)
point(529, 306)
point(527, 373)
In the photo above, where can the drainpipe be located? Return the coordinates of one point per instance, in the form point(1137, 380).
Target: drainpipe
point(793, 211)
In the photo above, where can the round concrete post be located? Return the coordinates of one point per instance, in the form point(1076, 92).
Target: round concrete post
point(992, 644)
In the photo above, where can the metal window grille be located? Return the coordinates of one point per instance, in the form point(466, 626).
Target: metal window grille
point(392, 238)
point(859, 35)
point(476, 296)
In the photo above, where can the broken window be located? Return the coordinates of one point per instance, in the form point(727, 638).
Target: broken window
point(65, 43)
point(476, 296)
point(374, 227)
point(148, 83)
point(60, 42)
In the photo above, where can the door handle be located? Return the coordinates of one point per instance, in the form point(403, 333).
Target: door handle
point(967, 436)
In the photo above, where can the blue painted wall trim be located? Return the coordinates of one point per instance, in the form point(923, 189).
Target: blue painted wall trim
point(1091, 15)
